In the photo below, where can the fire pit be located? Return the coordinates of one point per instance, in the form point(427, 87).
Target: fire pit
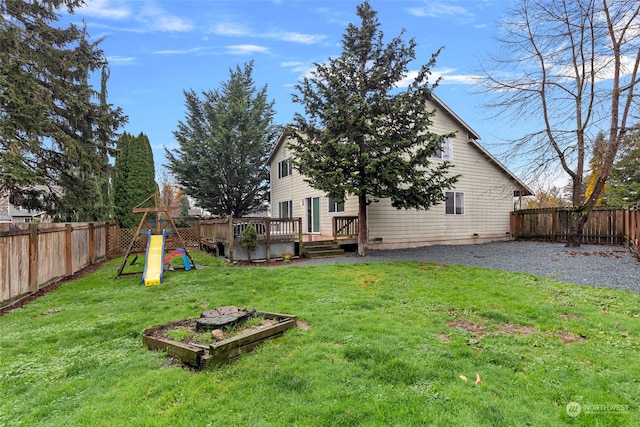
point(225, 326)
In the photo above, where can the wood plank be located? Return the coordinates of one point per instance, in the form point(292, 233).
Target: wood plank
point(187, 353)
point(157, 209)
point(249, 337)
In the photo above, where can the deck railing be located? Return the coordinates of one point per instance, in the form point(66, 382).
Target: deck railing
point(270, 230)
point(345, 226)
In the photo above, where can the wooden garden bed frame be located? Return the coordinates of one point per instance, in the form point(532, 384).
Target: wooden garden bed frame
point(201, 356)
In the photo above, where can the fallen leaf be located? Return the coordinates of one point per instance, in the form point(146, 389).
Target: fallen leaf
point(478, 380)
point(463, 378)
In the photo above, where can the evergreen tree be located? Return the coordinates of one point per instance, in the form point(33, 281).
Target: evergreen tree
point(184, 207)
point(134, 177)
point(223, 146)
point(623, 187)
point(51, 132)
point(362, 136)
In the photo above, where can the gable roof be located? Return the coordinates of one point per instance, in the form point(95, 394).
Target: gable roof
point(472, 137)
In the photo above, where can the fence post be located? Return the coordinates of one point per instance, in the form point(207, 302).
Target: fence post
point(33, 257)
point(92, 243)
point(69, 249)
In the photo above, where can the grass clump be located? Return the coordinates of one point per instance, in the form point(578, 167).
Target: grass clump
point(388, 344)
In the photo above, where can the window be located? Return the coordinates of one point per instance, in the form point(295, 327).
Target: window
point(445, 152)
point(284, 168)
point(286, 209)
point(455, 203)
point(335, 206)
point(28, 219)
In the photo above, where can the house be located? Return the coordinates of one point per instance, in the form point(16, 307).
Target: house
point(11, 213)
point(476, 210)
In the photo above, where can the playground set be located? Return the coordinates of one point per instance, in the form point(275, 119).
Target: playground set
point(159, 231)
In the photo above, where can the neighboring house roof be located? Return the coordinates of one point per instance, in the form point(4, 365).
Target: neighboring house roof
point(20, 212)
point(472, 137)
point(13, 211)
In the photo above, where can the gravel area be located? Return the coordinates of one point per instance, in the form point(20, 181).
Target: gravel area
point(603, 266)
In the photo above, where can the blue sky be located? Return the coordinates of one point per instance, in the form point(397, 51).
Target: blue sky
point(159, 48)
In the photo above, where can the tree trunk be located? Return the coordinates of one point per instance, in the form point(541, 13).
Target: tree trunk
point(578, 219)
point(363, 235)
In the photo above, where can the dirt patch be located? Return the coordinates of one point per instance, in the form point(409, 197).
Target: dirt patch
point(514, 329)
point(467, 325)
point(302, 325)
point(444, 338)
point(478, 330)
point(569, 338)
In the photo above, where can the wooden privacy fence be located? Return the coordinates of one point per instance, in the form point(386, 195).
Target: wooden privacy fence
point(632, 226)
point(34, 255)
point(604, 225)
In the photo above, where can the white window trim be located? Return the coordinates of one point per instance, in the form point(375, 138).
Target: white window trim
point(289, 205)
point(333, 206)
point(455, 205)
point(446, 152)
point(284, 166)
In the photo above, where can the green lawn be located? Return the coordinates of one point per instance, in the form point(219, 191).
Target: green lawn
point(388, 344)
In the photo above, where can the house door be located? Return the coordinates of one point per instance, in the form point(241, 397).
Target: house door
point(313, 214)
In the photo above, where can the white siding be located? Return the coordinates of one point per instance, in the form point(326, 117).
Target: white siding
point(488, 198)
point(488, 195)
point(294, 188)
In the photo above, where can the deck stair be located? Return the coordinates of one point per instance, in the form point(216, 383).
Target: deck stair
point(322, 249)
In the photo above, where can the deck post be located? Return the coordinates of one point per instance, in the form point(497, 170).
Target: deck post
point(232, 237)
point(299, 221)
point(268, 238)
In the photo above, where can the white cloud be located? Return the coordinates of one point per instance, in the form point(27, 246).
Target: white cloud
point(156, 19)
point(147, 17)
point(234, 29)
point(105, 9)
point(439, 9)
point(291, 64)
point(246, 49)
point(304, 69)
point(230, 29)
point(179, 51)
point(447, 75)
point(120, 60)
point(296, 37)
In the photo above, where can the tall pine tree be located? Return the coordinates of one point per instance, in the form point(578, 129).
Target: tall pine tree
point(134, 177)
point(224, 144)
point(52, 133)
point(361, 135)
